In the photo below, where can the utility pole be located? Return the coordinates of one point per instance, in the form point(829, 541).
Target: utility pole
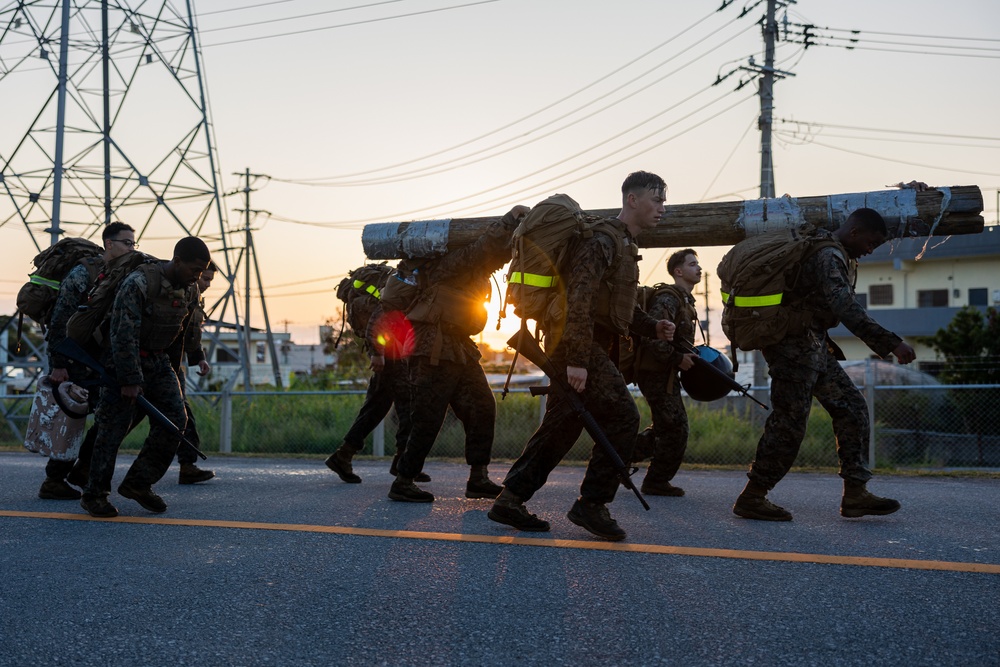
point(250, 259)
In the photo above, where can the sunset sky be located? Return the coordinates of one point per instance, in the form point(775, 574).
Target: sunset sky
point(358, 112)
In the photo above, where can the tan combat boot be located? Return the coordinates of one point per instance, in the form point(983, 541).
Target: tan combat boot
point(340, 463)
point(858, 501)
point(753, 504)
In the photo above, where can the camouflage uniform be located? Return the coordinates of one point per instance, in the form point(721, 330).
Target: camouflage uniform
point(131, 363)
point(587, 345)
point(658, 378)
point(191, 348)
point(73, 292)
point(446, 371)
point(805, 366)
point(385, 389)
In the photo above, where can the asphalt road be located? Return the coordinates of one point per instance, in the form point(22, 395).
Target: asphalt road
point(277, 562)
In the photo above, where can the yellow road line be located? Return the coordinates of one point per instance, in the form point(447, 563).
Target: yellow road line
point(779, 556)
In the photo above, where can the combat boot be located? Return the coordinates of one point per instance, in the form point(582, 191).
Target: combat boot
point(403, 489)
point(753, 504)
point(144, 496)
point(340, 463)
point(57, 489)
point(595, 518)
point(78, 476)
point(192, 474)
point(98, 507)
point(858, 501)
point(479, 484)
point(660, 487)
point(644, 444)
point(508, 509)
point(421, 477)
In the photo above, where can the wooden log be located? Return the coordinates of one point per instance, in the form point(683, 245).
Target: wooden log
point(937, 212)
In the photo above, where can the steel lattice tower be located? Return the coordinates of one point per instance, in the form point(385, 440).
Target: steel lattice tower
point(109, 100)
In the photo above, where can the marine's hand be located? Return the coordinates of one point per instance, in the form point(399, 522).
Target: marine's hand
point(904, 353)
point(130, 392)
point(919, 186)
point(203, 368)
point(59, 375)
point(577, 378)
point(377, 364)
point(665, 330)
point(519, 212)
point(687, 362)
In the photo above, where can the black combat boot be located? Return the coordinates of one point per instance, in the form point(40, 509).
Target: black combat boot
point(98, 507)
point(479, 484)
point(403, 489)
point(858, 501)
point(654, 486)
point(57, 489)
point(510, 510)
point(753, 504)
point(340, 463)
point(144, 496)
point(595, 518)
point(421, 478)
point(192, 474)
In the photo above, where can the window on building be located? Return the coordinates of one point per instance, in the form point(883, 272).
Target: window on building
point(261, 353)
point(223, 356)
point(978, 296)
point(880, 295)
point(932, 298)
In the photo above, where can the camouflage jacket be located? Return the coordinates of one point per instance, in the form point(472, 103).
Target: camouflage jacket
point(130, 308)
point(72, 294)
point(591, 265)
point(667, 306)
point(475, 262)
point(826, 286)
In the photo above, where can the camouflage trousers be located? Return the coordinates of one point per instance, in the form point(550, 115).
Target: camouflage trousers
point(793, 387)
point(385, 389)
point(668, 435)
point(607, 398)
point(185, 452)
point(116, 416)
point(432, 389)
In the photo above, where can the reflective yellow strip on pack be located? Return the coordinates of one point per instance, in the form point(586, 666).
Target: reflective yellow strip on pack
point(757, 301)
point(371, 289)
point(533, 279)
point(38, 280)
point(725, 297)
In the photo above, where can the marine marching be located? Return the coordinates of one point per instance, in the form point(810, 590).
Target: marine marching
point(121, 324)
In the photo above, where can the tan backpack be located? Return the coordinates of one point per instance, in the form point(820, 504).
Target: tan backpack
point(757, 276)
point(541, 245)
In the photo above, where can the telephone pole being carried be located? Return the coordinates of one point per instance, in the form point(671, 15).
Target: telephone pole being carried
point(115, 125)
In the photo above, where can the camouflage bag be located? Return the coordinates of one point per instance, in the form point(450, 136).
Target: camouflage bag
point(757, 275)
point(542, 242)
point(360, 292)
point(37, 297)
point(458, 310)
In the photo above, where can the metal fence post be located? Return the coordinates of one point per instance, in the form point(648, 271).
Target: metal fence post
point(870, 400)
point(378, 439)
point(226, 420)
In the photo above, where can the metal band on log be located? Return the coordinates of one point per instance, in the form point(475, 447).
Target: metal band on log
point(938, 212)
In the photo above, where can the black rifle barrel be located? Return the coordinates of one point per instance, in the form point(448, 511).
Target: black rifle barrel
point(70, 348)
point(526, 345)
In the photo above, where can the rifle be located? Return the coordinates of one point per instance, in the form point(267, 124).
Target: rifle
point(526, 345)
point(725, 378)
point(70, 348)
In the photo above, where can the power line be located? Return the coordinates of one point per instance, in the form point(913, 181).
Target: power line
point(298, 16)
point(523, 118)
point(351, 24)
point(457, 164)
point(889, 130)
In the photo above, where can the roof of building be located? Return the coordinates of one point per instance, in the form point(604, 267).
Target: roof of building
point(986, 243)
point(907, 322)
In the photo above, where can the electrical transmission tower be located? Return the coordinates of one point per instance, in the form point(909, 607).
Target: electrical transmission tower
point(106, 119)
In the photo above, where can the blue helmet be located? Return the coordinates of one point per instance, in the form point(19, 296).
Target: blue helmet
point(701, 383)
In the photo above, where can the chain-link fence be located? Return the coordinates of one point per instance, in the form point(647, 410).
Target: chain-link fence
point(926, 426)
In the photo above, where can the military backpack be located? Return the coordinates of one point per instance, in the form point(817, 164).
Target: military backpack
point(360, 292)
point(37, 297)
point(541, 248)
point(757, 277)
